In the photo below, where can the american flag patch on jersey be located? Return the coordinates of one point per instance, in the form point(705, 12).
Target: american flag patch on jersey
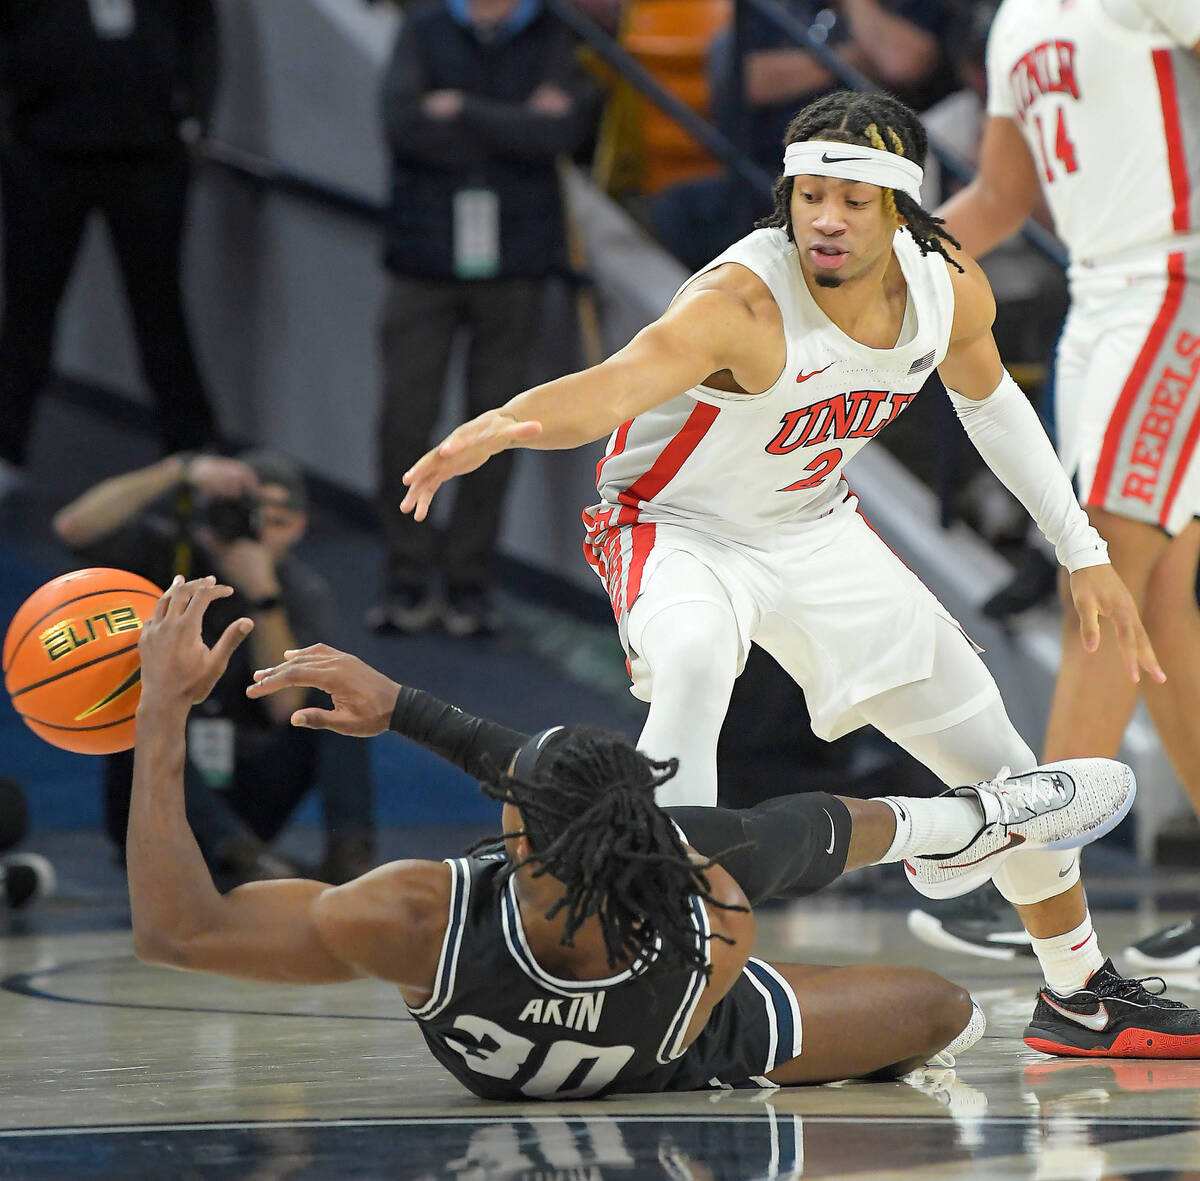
point(922, 363)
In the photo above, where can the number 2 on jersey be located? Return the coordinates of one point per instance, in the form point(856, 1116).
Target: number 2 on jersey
point(1064, 147)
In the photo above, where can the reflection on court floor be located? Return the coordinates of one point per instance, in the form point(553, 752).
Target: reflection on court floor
point(112, 1068)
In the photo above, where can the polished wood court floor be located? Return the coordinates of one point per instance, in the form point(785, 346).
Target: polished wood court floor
point(110, 1068)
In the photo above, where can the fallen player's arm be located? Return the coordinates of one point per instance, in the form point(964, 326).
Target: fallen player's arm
point(287, 931)
point(764, 849)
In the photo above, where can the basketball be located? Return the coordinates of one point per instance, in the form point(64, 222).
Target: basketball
point(71, 658)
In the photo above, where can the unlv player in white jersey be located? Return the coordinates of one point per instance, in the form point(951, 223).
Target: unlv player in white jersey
point(724, 519)
point(1096, 105)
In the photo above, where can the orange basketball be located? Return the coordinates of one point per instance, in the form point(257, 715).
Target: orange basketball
point(71, 658)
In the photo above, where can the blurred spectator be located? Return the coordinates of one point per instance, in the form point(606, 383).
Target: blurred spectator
point(24, 877)
point(480, 98)
point(247, 768)
point(894, 42)
point(97, 101)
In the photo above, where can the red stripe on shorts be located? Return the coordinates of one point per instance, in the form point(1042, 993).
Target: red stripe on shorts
point(1133, 383)
point(1164, 71)
point(642, 539)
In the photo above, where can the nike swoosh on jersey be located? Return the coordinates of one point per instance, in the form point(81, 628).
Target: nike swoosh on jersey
point(832, 831)
point(805, 376)
point(1097, 1021)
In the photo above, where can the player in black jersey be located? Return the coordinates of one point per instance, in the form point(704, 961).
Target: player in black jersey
point(594, 951)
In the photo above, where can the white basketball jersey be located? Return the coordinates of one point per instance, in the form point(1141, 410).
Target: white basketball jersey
point(738, 462)
point(1112, 118)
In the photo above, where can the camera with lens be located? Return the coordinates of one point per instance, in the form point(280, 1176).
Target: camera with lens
point(232, 518)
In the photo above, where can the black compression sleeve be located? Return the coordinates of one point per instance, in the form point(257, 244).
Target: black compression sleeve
point(479, 747)
point(792, 845)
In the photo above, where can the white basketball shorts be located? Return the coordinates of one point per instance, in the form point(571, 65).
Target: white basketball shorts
point(827, 598)
point(1127, 393)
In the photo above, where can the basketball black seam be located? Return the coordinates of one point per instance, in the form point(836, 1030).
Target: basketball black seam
point(76, 729)
point(120, 590)
point(70, 671)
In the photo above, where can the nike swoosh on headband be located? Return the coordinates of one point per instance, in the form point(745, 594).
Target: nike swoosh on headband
point(826, 158)
point(1096, 1021)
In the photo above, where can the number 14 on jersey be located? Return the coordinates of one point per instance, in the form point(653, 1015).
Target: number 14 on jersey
point(1063, 147)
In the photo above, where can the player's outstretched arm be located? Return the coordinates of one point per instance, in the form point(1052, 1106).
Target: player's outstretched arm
point(299, 932)
point(705, 330)
point(1008, 434)
point(365, 703)
point(362, 698)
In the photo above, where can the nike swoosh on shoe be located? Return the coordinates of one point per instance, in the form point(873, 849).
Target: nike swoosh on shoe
point(1014, 839)
point(1097, 1021)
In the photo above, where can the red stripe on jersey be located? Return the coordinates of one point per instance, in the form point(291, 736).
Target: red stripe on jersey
point(642, 540)
point(618, 447)
point(1164, 71)
point(672, 457)
point(1154, 341)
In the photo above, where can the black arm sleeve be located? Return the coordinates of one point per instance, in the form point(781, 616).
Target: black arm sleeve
point(475, 745)
point(793, 846)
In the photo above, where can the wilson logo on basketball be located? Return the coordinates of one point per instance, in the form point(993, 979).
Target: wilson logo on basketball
point(70, 634)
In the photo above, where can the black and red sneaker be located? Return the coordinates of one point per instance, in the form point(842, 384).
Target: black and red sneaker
point(1112, 1017)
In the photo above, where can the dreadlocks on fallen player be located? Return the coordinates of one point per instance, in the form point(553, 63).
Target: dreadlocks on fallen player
point(590, 815)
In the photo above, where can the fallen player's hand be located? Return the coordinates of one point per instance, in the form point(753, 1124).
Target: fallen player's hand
point(363, 698)
point(463, 450)
point(1098, 591)
point(175, 661)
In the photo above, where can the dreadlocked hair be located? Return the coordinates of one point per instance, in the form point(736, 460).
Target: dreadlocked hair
point(868, 120)
point(590, 816)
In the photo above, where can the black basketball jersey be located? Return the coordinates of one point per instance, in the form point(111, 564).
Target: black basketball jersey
point(508, 1029)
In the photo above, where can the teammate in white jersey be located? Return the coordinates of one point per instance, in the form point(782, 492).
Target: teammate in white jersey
point(1096, 104)
point(725, 520)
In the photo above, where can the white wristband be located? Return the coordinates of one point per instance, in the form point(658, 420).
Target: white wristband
point(1008, 434)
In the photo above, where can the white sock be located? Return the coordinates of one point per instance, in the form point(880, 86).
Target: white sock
point(943, 825)
point(1069, 959)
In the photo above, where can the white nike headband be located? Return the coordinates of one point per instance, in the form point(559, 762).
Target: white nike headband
point(821, 157)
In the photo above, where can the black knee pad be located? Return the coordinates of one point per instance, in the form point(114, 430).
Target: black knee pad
point(786, 847)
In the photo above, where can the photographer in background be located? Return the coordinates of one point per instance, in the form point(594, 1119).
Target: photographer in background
point(247, 768)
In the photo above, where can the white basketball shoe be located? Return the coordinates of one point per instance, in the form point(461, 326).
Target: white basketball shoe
point(1056, 806)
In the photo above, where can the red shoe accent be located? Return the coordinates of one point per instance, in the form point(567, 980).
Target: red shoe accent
point(1129, 1043)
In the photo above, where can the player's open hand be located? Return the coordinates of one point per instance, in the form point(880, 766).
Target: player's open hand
point(1099, 591)
point(176, 662)
point(462, 451)
point(363, 698)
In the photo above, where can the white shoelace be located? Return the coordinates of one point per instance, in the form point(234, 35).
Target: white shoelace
point(1041, 790)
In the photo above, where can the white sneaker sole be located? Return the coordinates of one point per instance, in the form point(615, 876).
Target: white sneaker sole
point(1185, 961)
point(927, 929)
